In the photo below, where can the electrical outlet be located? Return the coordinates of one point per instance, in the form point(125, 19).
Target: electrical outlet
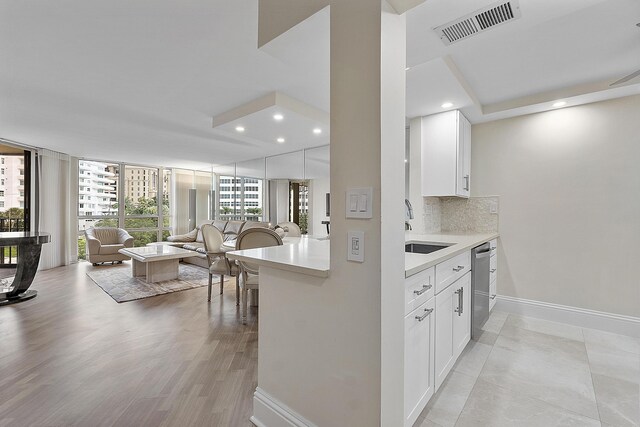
point(493, 208)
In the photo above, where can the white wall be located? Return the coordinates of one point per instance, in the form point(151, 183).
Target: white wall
point(569, 187)
point(329, 368)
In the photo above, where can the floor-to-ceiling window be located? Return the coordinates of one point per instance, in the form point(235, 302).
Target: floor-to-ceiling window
point(15, 176)
point(136, 198)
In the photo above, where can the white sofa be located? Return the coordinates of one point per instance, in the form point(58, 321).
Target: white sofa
point(194, 241)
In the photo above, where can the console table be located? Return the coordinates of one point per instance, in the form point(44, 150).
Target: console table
point(29, 244)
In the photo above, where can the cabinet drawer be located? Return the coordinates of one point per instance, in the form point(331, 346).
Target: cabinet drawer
point(452, 269)
point(493, 268)
point(418, 289)
point(492, 295)
point(493, 246)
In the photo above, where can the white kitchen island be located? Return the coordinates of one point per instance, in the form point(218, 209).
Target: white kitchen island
point(298, 324)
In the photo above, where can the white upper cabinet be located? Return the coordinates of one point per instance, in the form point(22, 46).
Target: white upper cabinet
point(446, 154)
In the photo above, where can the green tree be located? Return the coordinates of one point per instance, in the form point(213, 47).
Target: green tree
point(144, 206)
point(303, 223)
point(11, 213)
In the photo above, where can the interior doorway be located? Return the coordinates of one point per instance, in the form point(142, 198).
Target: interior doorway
point(299, 204)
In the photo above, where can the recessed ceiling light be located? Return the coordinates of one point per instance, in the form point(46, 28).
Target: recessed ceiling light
point(406, 161)
point(317, 131)
point(447, 105)
point(559, 104)
point(280, 140)
point(278, 116)
point(239, 129)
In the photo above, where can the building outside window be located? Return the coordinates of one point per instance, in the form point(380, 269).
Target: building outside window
point(243, 200)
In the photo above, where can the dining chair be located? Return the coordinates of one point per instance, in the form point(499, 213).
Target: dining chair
point(216, 258)
point(248, 274)
point(291, 229)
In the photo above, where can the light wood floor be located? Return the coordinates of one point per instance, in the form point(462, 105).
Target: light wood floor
point(74, 357)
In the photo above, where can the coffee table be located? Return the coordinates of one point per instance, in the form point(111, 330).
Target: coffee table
point(156, 263)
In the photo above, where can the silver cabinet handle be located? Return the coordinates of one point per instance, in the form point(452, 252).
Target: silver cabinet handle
point(493, 270)
point(466, 180)
point(493, 296)
point(460, 308)
point(427, 311)
point(424, 289)
point(460, 267)
point(493, 248)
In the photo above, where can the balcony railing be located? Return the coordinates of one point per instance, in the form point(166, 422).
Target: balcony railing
point(9, 254)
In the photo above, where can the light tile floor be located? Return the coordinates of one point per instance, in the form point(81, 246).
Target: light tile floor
point(529, 372)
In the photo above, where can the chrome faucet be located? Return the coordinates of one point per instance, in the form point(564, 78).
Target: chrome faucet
point(408, 214)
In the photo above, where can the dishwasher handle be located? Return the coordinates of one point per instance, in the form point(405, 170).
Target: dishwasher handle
point(483, 254)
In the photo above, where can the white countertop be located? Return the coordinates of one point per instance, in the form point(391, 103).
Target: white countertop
point(306, 255)
point(415, 263)
point(310, 255)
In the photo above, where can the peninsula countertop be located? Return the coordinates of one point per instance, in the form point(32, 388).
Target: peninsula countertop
point(310, 255)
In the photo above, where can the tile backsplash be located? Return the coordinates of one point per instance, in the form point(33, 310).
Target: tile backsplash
point(432, 215)
point(458, 215)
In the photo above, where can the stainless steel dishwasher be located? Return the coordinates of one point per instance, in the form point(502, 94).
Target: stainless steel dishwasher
point(479, 287)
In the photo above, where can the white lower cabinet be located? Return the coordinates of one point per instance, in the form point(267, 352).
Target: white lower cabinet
point(444, 334)
point(461, 314)
point(436, 332)
point(453, 325)
point(419, 327)
point(493, 273)
point(493, 292)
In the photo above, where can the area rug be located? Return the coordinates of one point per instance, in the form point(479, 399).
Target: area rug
point(117, 282)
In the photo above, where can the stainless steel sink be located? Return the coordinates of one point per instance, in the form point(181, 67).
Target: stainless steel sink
point(423, 248)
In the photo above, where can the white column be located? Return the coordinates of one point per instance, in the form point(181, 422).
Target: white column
point(342, 363)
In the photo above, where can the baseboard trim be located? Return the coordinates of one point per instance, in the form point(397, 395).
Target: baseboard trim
point(616, 323)
point(270, 412)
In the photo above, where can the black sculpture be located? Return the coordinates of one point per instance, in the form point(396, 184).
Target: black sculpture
point(29, 245)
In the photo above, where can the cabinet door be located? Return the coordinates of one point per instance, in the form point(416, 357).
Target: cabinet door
point(461, 314)
point(439, 150)
point(444, 356)
point(463, 172)
point(418, 360)
point(493, 291)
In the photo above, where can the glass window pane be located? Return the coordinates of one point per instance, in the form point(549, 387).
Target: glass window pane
point(140, 190)
point(97, 189)
point(166, 199)
point(140, 223)
point(141, 238)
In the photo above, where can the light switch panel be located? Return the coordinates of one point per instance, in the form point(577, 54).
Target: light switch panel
point(359, 203)
point(355, 246)
point(362, 204)
point(353, 203)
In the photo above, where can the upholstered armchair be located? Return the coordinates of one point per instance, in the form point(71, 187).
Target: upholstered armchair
point(103, 244)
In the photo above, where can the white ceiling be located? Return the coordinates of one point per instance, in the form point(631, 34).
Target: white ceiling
point(141, 81)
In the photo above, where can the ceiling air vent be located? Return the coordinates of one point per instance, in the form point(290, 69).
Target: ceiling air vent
point(478, 21)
